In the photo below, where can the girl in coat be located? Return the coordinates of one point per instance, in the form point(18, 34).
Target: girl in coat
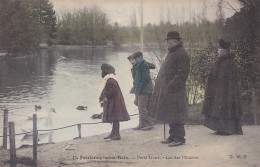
point(112, 100)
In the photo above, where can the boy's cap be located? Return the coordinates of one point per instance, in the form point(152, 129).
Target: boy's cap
point(137, 54)
point(130, 57)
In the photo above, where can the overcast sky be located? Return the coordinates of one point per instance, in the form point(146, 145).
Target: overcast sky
point(154, 11)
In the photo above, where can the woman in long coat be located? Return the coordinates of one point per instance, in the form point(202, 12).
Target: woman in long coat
point(222, 108)
point(114, 108)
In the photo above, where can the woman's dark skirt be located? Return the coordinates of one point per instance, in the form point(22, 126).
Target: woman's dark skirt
point(224, 126)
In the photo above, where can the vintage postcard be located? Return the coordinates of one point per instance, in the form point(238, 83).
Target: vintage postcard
point(129, 83)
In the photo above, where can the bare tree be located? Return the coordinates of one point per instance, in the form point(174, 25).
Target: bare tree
point(168, 14)
point(162, 14)
point(133, 19)
point(204, 11)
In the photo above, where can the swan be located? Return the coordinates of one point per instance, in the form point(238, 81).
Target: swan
point(42, 113)
point(44, 121)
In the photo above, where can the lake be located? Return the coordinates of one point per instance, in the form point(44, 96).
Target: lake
point(62, 78)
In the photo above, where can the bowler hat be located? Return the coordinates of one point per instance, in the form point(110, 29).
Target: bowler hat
point(107, 68)
point(137, 54)
point(224, 44)
point(173, 35)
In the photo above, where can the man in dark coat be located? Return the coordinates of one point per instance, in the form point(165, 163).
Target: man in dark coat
point(143, 91)
point(114, 108)
point(169, 99)
point(222, 108)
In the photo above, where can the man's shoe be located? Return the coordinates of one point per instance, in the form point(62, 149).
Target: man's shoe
point(147, 128)
point(166, 141)
point(174, 144)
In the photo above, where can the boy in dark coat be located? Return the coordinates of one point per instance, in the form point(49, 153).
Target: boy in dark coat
point(133, 62)
point(143, 90)
point(114, 108)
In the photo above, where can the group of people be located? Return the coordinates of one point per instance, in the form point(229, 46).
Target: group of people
point(167, 100)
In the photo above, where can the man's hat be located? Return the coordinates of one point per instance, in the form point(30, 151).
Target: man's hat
point(137, 54)
point(107, 68)
point(173, 35)
point(223, 44)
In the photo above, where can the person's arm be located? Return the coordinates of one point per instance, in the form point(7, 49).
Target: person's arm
point(132, 91)
point(111, 88)
point(102, 96)
point(183, 68)
point(151, 65)
point(145, 79)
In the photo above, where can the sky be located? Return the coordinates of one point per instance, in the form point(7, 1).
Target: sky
point(154, 11)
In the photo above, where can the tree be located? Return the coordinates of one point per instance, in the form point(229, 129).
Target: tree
point(243, 30)
point(25, 24)
point(85, 26)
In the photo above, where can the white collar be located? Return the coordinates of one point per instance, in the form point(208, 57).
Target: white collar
point(110, 76)
point(104, 80)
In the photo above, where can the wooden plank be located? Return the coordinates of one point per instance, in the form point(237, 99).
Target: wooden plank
point(12, 143)
point(5, 127)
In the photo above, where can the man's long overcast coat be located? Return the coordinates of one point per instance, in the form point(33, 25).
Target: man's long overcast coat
point(169, 99)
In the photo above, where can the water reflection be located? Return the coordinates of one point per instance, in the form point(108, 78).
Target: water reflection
point(25, 79)
point(61, 78)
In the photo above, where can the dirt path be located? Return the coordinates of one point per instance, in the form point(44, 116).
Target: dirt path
point(143, 149)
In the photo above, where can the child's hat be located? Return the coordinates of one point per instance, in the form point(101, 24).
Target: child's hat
point(107, 68)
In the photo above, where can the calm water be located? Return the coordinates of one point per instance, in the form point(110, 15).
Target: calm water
point(61, 78)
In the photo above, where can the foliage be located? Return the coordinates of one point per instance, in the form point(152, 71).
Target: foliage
point(243, 30)
point(85, 27)
point(25, 24)
point(153, 33)
point(199, 64)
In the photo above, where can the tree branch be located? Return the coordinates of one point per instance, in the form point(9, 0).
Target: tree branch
point(231, 6)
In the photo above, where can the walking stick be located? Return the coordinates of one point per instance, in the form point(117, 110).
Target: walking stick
point(156, 113)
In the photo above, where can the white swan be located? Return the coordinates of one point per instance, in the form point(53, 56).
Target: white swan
point(44, 119)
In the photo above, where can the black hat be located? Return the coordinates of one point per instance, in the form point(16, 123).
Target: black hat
point(108, 69)
point(173, 35)
point(137, 54)
point(223, 44)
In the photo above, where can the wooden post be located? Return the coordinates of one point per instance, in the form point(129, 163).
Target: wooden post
point(35, 140)
point(12, 143)
point(254, 107)
point(164, 133)
point(79, 129)
point(5, 126)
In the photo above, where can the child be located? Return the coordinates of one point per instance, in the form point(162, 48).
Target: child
point(112, 100)
point(133, 62)
point(144, 82)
